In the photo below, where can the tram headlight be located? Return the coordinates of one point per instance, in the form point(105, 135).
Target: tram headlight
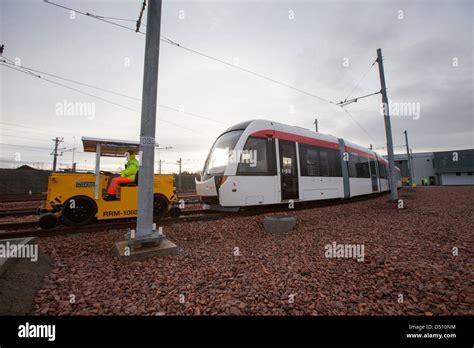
point(220, 180)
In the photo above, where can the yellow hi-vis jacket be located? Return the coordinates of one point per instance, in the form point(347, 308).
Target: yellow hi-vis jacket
point(131, 168)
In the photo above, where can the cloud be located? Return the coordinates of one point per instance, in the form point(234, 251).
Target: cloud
point(307, 51)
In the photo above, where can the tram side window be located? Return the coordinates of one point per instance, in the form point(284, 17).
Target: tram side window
point(362, 167)
point(258, 157)
point(353, 160)
point(373, 173)
point(324, 164)
point(358, 166)
point(317, 161)
point(335, 163)
point(382, 170)
point(309, 158)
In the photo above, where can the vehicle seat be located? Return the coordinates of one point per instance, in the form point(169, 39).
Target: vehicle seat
point(135, 183)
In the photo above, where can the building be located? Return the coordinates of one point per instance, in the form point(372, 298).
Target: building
point(454, 167)
point(422, 167)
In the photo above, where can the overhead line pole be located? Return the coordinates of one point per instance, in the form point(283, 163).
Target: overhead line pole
point(157, 148)
point(388, 129)
point(73, 153)
point(57, 141)
point(148, 123)
point(180, 162)
point(410, 171)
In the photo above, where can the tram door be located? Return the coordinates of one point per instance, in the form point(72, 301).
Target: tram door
point(373, 175)
point(288, 170)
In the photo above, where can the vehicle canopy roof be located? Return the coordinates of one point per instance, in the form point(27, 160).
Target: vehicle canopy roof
point(110, 147)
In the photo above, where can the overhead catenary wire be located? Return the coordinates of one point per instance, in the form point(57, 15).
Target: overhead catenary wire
point(93, 96)
point(68, 87)
point(10, 60)
point(253, 73)
point(174, 43)
point(73, 81)
point(101, 18)
point(360, 126)
point(111, 102)
point(31, 134)
point(29, 137)
point(47, 131)
point(113, 92)
point(345, 102)
point(26, 146)
point(7, 60)
point(361, 79)
point(20, 137)
point(171, 42)
point(119, 19)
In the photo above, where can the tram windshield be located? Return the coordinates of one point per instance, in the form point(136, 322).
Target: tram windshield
point(220, 153)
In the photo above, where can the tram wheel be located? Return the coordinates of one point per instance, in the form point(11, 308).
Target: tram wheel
point(47, 221)
point(160, 207)
point(79, 211)
point(175, 212)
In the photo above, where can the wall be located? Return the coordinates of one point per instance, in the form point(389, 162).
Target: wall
point(187, 182)
point(423, 168)
point(453, 179)
point(23, 180)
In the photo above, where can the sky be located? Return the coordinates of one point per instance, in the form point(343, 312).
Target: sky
point(326, 48)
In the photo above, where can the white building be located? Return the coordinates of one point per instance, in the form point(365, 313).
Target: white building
point(454, 167)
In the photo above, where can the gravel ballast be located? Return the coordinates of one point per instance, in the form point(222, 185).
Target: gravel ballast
point(233, 267)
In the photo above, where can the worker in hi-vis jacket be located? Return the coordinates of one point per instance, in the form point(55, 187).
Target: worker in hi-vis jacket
point(127, 175)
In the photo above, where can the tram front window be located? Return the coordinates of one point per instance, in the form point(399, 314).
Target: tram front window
point(221, 151)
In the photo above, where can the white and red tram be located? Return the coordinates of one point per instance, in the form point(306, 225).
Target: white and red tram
point(262, 162)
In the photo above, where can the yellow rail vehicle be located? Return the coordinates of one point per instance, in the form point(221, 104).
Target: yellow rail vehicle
point(77, 199)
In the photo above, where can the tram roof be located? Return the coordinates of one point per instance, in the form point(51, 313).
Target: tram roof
point(110, 147)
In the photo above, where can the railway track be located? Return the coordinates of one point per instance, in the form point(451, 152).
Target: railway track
point(29, 211)
point(24, 197)
point(7, 226)
point(18, 212)
point(30, 229)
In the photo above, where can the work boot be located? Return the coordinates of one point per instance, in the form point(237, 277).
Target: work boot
point(110, 197)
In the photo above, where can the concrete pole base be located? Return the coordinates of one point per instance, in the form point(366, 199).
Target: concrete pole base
point(141, 252)
point(279, 224)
